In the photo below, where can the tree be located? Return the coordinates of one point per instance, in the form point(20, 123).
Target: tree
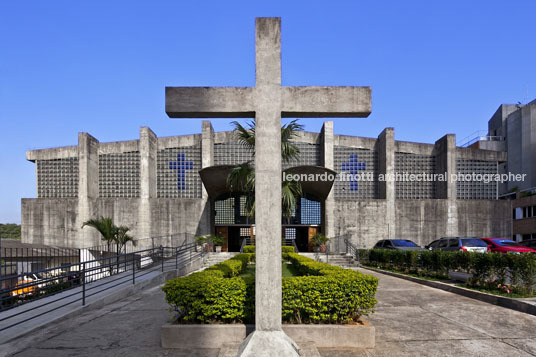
point(121, 238)
point(242, 177)
point(111, 233)
point(105, 227)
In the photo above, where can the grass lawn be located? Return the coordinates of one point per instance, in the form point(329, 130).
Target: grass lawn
point(288, 271)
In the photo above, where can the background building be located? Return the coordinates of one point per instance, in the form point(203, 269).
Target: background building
point(512, 129)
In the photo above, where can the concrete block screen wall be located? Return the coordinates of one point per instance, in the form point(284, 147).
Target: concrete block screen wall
point(152, 185)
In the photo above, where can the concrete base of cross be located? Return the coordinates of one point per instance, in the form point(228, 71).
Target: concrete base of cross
point(268, 344)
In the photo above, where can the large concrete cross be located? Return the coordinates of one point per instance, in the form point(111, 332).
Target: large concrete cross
point(267, 102)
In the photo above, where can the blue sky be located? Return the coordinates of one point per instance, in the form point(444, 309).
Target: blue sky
point(436, 67)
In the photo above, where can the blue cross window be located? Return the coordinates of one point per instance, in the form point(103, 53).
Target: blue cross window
point(180, 166)
point(353, 167)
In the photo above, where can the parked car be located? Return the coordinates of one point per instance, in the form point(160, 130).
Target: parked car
point(531, 243)
point(29, 285)
point(501, 245)
point(466, 244)
point(400, 244)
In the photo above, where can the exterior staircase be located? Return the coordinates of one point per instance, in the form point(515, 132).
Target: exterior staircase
point(340, 259)
point(212, 258)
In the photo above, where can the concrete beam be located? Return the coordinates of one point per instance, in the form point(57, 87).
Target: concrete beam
point(52, 154)
point(323, 102)
point(210, 102)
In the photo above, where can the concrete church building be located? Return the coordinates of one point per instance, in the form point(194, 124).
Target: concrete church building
point(169, 185)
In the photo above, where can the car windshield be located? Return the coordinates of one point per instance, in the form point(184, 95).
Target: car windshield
point(473, 242)
point(403, 243)
point(506, 243)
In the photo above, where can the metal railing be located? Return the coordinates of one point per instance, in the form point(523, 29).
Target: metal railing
point(244, 243)
point(352, 250)
point(82, 280)
point(28, 259)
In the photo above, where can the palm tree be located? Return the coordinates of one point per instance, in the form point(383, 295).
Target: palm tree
point(111, 233)
point(121, 238)
point(242, 177)
point(105, 227)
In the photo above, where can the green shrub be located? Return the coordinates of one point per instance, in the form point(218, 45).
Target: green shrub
point(328, 294)
point(287, 249)
point(248, 249)
point(206, 298)
point(328, 299)
point(490, 268)
point(251, 249)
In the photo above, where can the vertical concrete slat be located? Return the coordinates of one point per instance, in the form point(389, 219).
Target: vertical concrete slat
point(328, 162)
point(88, 187)
point(207, 160)
point(385, 147)
point(148, 151)
point(445, 152)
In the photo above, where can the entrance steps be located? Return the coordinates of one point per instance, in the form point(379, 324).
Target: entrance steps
point(213, 258)
point(340, 259)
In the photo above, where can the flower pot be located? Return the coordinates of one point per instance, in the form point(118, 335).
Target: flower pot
point(316, 249)
point(208, 248)
point(323, 248)
point(218, 249)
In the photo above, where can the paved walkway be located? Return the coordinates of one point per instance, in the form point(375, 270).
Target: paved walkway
point(416, 320)
point(410, 320)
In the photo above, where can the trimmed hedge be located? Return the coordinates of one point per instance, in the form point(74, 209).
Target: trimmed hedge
point(251, 249)
point(487, 268)
point(215, 294)
point(326, 294)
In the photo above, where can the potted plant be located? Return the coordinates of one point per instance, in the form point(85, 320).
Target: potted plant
point(217, 240)
point(204, 242)
point(319, 242)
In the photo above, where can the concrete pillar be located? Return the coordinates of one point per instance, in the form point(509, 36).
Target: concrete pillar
point(88, 187)
point(385, 147)
point(148, 147)
point(445, 153)
point(207, 160)
point(268, 339)
point(207, 147)
point(329, 163)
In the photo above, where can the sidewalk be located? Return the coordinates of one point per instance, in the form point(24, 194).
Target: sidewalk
point(39, 313)
point(410, 320)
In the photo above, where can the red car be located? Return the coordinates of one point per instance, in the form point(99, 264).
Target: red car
point(501, 245)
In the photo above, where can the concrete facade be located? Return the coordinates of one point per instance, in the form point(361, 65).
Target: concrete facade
point(57, 220)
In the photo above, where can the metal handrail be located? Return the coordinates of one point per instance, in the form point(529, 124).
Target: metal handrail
point(123, 266)
point(295, 246)
point(352, 249)
point(244, 241)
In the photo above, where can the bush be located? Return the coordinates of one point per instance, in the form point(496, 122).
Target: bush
point(251, 249)
point(487, 269)
point(328, 299)
point(287, 249)
point(328, 294)
point(206, 297)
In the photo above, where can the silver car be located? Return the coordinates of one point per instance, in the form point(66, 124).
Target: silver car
point(465, 244)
